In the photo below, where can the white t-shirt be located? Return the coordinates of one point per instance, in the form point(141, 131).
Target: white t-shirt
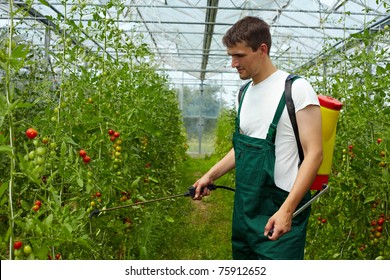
point(257, 111)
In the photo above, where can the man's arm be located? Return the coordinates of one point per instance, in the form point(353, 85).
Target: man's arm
point(226, 164)
point(310, 132)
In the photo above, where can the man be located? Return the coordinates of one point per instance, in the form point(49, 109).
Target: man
point(271, 183)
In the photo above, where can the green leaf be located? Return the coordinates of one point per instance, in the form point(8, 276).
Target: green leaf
point(134, 184)
point(64, 149)
point(25, 105)
point(66, 230)
point(3, 188)
point(55, 196)
point(369, 199)
point(153, 179)
point(143, 253)
point(48, 221)
point(6, 149)
point(70, 140)
point(80, 182)
point(20, 51)
point(44, 2)
point(169, 219)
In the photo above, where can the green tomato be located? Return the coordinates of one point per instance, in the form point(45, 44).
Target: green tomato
point(18, 252)
point(41, 151)
point(31, 155)
point(39, 160)
point(27, 249)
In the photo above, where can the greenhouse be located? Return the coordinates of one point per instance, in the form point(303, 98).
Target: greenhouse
point(112, 104)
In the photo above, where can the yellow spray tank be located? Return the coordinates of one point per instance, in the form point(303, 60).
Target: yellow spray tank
point(330, 110)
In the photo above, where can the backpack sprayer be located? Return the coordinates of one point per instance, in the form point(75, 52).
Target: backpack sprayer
point(191, 193)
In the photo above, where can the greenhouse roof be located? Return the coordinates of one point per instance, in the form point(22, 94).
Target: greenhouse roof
point(185, 35)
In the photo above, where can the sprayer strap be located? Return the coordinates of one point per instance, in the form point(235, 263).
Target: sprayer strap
point(291, 112)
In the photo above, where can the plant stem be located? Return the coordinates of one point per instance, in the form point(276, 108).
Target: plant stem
point(8, 91)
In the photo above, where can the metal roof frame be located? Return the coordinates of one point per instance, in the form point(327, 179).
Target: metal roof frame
point(186, 35)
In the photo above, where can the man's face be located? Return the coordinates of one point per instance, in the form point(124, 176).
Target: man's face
point(245, 60)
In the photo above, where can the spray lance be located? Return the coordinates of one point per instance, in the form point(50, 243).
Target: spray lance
point(191, 193)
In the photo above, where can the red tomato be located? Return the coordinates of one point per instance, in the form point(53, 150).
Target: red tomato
point(373, 223)
point(112, 138)
point(116, 134)
point(18, 244)
point(379, 140)
point(58, 256)
point(82, 153)
point(98, 194)
point(31, 133)
point(111, 132)
point(35, 208)
point(38, 202)
point(380, 221)
point(379, 228)
point(86, 159)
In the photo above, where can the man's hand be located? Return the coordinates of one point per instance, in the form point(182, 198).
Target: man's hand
point(278, 224)
point(201, 187)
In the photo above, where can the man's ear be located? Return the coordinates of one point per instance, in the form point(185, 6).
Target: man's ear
point(263, 49)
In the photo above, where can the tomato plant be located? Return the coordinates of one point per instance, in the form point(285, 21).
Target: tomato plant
point(74, 109)
point(359, 177)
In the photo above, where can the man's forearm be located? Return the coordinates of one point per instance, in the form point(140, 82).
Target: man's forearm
point(222, 167)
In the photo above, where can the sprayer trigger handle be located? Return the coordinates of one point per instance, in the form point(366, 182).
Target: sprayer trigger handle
point(191, 190)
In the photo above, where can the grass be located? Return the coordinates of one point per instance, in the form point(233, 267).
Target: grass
point(201, 229)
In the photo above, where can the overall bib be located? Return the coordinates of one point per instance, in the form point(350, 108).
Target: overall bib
point(257, 198)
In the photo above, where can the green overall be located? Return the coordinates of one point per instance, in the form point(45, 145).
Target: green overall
point(257, 198)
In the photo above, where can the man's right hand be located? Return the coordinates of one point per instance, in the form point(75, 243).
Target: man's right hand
point(201, 188)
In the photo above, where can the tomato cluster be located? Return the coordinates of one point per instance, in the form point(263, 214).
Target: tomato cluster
point(19, 252)
point(383, 163)
point(36, 206)
point(322, 220)
point(85, 156)
point(114, 135)
point(96, 197)
point(37, 156)
point(117, 149)
point(57, 256)
point(125, 196)
point(377, 228)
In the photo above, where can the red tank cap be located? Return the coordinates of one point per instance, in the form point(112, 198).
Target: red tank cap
point(330, 102)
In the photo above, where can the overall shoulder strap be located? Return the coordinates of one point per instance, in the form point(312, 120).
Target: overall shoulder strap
point(291, 112)
point(271, 134)
point(243, 89)
point(241, 95)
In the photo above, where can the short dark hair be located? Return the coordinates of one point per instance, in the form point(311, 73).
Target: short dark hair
point(250, 30)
